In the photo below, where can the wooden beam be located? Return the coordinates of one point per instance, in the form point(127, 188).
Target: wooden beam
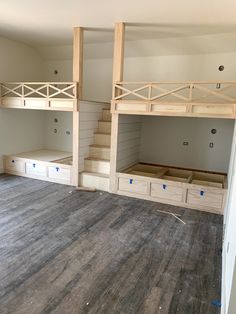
point(113, 158)
point(78, 40)
point(118, 59)
point(78, 36)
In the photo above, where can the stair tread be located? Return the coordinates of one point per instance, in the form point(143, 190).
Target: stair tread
point(100, 146)
point(102, 133)
point(97, 159)
point(96, 174)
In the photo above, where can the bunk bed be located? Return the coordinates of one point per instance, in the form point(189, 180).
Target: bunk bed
point(196, 189)
point(89, 118)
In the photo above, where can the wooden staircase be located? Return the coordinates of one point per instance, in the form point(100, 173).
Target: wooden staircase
point(97, 165)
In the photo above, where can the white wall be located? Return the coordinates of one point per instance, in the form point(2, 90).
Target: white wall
point(162, 142)
point(19, 130)
point(229, 244)
point(62, 138)
point(19, 62)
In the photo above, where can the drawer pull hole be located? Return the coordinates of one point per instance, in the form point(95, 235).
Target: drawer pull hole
point(13, 161)
point(164, 186)
point(202, 193)
point(34, 165)
point(130, 181)
point(57, 169)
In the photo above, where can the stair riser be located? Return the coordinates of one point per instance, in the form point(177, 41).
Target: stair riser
point(92, 181)
point(104, 127)
point(97, 166)
point(106, 115)
point(97, 152)
point(102, 139)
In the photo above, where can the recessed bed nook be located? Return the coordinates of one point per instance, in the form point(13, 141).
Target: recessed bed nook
point(155, 163)
point(43, 148)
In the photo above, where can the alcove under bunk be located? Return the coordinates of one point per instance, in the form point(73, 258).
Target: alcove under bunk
point(180, 161)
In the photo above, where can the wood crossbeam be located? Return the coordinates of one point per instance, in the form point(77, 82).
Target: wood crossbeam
point(215, 93)
point(26, 89)
point(188, 86)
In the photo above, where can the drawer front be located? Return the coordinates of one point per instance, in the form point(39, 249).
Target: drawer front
point(36, 169)
point(55, 172)
point(62, 104)
point(168, 109)
point(205, 198)
point(15, 165)
point(133, 185)
point(167, 191)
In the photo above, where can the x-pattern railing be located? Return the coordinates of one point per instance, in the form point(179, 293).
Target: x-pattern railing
point(191, 91)
point(50, 90)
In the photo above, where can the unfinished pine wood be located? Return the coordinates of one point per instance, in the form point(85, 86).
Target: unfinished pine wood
point(190, 99)
point(60, 96)
point(48, 165)
point(197, 190)
point(118, 58)
point(78, 42)
point(83, 252)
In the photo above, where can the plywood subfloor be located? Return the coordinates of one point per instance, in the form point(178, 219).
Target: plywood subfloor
point(80, 252)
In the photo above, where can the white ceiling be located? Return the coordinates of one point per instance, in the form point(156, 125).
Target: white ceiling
point(50, 22)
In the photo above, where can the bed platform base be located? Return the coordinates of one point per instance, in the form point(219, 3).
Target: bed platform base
point(190, 189)
point(47, 165)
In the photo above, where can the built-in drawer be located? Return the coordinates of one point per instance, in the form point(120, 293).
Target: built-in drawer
point(57, 104)
point(133, 185)
point(15, 165)
point(167, 191)
point(36, 169)
point(56, 172)
point(205, 197)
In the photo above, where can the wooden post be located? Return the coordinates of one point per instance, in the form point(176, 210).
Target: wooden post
point(78, 40)
point(118, 58)
point(118, 69)
point(113, 159)
point(78, 78)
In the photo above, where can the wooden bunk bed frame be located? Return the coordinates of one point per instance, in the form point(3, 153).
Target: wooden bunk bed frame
point(55, 166)
point(209, 99)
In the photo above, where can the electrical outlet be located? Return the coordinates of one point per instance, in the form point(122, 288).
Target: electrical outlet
point(185, 143)
point(211, 145)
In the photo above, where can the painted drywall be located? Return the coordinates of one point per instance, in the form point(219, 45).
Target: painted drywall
point(58, 130)
point(162, 141)
point(19, 62)
point(20, 130)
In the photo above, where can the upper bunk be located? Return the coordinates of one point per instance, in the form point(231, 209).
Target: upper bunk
point(62, 96)
point(211, 99)
point(216, 99)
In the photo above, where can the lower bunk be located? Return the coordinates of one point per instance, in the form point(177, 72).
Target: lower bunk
point(48, 165)
point(180, 187)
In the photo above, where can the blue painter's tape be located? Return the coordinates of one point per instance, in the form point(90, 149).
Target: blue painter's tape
point(202, 193)
point(130, 181)
point(216, 303)
point(34, 165)
point(164, 186)
point(57, 169)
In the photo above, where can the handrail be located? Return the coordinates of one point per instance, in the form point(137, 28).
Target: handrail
point(184, 92)
point(47, 90)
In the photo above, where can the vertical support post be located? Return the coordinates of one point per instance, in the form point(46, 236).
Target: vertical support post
point(77, 78)
point(78, 42)
point(118, 58)
point(113, 158)
point(118, 71)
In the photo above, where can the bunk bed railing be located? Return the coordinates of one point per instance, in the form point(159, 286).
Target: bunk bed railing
point(181, 92)
point(47, 90)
